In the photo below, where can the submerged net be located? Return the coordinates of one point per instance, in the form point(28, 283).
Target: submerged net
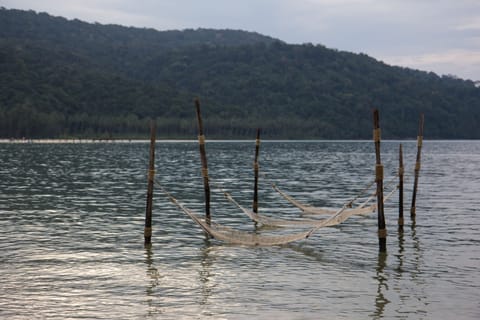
point(246, 238)
point(306, 209)
point(268, 221)
point(362, 209)
point(345, 214)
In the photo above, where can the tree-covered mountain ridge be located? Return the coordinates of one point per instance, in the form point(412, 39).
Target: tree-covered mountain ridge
point(68, 78)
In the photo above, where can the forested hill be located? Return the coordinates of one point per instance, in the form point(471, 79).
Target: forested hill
point(62, 77)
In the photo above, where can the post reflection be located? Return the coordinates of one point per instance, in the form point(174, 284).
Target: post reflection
point(416, 274)
point(380, 300)
point(153, 277)
point(401, 249)
point(404, 272)
point(152, 271)
point(417, 252)
point(205, 272)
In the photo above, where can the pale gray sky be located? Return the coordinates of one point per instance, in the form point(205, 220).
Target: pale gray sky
point(442, 36)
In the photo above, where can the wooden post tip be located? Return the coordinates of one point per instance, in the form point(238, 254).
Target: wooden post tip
point(376, 119)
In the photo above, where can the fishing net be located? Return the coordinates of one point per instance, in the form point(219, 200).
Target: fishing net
point(306, 209)
point(233, 236)
point(361, 209)
point(346, 213)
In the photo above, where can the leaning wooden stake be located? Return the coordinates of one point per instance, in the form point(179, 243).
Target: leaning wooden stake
point(417, 166)
point(151, 172)
point(203, 156)
point(382, 231)
point(255, 170)
point(400, 188)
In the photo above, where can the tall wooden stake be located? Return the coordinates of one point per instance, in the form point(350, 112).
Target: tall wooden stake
point(203, 156)
point(400, 188)
point(255, 170)
point(382, 231)
point(151, 172)
point(417, 166)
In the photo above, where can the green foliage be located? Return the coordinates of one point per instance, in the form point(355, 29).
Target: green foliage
point(70, 78)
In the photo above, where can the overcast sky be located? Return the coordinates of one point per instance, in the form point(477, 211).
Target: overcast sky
point(442, 36)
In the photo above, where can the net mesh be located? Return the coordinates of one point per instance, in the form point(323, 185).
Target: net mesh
point(306, 209)
point(346, 213)
point(233, 236)
point(361, 209)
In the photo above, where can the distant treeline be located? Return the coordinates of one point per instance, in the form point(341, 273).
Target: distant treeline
point(62, 78)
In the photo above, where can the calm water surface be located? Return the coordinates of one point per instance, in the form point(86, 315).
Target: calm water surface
point(71, 234)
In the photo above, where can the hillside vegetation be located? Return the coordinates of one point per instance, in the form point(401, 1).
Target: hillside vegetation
point(62, 78)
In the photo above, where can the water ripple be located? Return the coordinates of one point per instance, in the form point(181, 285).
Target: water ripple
point(71, 221)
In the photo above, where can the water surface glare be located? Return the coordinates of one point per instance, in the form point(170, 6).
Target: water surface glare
point(72, 218)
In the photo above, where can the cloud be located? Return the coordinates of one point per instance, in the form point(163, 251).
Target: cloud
point(471, 24)
point(452, 62)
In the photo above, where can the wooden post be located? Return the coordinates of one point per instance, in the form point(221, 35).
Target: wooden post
point(255, 170)
point(417, 166)
point(382, 231)
point(203, 156)
point(151, 172)
point(400, 188)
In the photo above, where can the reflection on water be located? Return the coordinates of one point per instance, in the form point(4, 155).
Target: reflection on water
point(205, 273)
point(71, 234)
point(153, 277)
point(382, 279)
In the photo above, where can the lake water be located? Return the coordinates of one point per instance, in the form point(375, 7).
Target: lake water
point(71, 234)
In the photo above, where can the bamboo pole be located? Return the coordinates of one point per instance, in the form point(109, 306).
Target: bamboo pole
point(400, 188)
point(151, 172)
point(255, 170)
point(203, 157)
point(382, 231)
point(417, 166)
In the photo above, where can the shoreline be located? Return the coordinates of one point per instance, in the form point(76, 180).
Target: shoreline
point(113, 141)
point(27, 141)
